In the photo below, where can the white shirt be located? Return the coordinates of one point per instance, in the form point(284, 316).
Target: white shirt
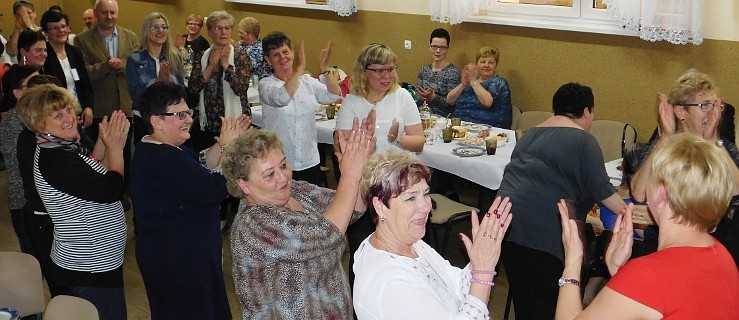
point(68, 76)
point(396, 105)
point(293, 119)
point(389, 286)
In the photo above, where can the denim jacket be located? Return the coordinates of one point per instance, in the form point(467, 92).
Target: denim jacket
point(141, 71)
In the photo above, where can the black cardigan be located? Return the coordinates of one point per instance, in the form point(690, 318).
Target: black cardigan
point(53, 67)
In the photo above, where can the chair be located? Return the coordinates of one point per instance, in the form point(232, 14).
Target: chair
point(446, 213)
point(613, 137)
point(515, 113)
point(70, 308)
point(21, 286)
point(530, 119)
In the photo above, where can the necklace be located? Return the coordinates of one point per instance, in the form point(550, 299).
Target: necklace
point(392, 248)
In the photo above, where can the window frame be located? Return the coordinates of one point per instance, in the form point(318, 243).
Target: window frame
point(581, 17)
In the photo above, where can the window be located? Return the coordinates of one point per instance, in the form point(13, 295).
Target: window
point(573, 15)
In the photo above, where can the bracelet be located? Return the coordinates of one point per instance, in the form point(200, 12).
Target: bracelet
point(484, 272)
point(487, 283)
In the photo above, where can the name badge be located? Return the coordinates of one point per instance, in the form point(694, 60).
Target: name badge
point(75, 75)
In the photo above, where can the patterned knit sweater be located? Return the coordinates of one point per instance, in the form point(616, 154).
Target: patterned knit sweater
point(287, 264)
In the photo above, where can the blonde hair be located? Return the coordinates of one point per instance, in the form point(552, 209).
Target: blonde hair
point(690, 84)
point(167, 48)
point(242, 153)
point(41, 101)
point(487, 52)
point(696, 178)
point(374, 53)
point(250, 25)
point(194, 17)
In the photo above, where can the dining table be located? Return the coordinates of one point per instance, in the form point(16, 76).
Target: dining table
point(484, 170)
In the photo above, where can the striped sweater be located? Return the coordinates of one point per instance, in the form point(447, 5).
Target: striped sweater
point(83, 200)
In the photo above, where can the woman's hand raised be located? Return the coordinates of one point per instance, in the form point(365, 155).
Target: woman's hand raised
point(487, 235)
point(114, 131)
point(355, 150)
point(619, 250)
point(231, 127)
point(570, 236)
point(666, 112)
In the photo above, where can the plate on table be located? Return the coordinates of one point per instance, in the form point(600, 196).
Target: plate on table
point(477, 127)
point(468, 151)
point(319, 117)
point(8, 314)
point(470, 141)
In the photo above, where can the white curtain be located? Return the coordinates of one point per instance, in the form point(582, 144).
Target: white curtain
point(674, 21)
point(344, 8)
point(455, 11)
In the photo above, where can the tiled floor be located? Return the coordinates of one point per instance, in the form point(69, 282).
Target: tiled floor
point(138, 305)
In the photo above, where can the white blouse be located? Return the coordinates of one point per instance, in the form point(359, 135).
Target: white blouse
point(389, 286)
point(293, 118)
point(396, 105)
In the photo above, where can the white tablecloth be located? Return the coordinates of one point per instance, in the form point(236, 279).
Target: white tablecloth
point(484, 170)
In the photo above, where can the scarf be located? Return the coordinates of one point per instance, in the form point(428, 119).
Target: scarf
point(45, 140)
point(231, 102)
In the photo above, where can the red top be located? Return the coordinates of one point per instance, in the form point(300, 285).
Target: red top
point(683, 282)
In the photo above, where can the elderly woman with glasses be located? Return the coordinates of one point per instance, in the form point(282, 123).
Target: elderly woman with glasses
point(693, 106)
point(65, 62)
point(401, 277)
point(688, 189)
point(374, 86)
point(176, 196)
point(220, 75)
point(193, 39)
point(482, 96)
point(288, 238)
point(81, 191)
point(156, 60)
point(435, 80)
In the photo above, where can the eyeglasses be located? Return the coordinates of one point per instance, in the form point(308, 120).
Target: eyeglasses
point(57, 28)
point(194, 24)
point(182, 115)
point(221, 28)
point(163, 27)
point(435, 47)
point(382, 70)
point(705, 106)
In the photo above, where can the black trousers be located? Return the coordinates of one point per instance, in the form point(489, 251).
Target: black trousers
point(532, 275)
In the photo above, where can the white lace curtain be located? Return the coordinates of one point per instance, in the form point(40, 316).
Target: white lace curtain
point(674, 21)
point(455, 11)
point(344, 8)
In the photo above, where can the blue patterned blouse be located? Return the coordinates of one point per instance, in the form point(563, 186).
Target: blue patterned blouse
point(469, 108)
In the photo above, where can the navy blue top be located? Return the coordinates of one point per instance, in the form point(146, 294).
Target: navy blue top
point(469, 108)
point(178, 235)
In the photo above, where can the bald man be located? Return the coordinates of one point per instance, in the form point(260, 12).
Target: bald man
point(89, 17)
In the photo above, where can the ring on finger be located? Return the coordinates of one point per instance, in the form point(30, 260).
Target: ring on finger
point(484, 234)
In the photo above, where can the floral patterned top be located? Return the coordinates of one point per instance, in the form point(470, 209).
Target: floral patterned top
point(256, 56)
point(287, 264)
point(442, 82)
point(469, 108)
point(238, 78)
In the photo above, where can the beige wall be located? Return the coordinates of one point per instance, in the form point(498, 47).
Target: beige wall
point(624, 72)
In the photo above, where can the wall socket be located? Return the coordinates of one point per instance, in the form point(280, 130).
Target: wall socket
point(407, 44)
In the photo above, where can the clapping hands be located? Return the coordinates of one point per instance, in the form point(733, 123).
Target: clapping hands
point(114, 130)
point(487, 235)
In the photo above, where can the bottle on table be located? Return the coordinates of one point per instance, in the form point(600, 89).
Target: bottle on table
point(188, 62)
point(425, 112)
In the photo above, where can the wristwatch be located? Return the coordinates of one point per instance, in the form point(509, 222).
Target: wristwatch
point(562, 281)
